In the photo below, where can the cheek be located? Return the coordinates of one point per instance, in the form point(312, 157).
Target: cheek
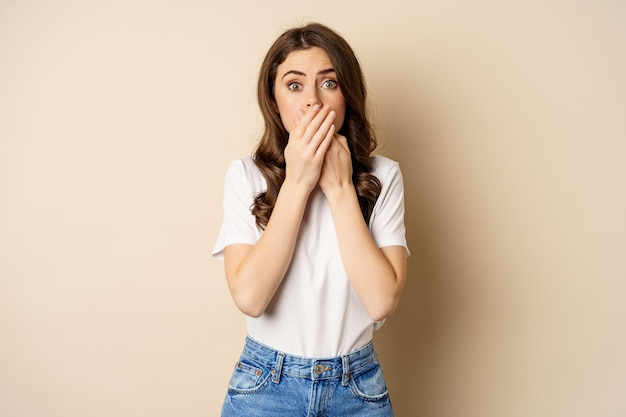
point(285, 111)
point(341, 116)
point(338, 103)
point(287, 122)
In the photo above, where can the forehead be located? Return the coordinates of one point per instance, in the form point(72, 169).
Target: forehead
point(302, 59)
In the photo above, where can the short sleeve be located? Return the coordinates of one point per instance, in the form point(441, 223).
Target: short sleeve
point(387, 220)
point(238, 224)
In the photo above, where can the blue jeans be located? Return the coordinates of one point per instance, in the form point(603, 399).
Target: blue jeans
point(268, 383)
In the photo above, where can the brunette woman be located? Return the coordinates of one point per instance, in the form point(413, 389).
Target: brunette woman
point(313, 239)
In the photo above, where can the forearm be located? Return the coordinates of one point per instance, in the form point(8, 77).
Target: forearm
point(377, 281)
point(254, 273)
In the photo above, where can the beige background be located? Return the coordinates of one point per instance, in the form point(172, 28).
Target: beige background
point(117, 121)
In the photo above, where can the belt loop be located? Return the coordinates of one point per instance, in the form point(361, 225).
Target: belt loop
point(278, 367)
point(345, 374)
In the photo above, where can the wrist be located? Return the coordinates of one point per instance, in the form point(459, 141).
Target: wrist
point(295, 190)
point(340, 192)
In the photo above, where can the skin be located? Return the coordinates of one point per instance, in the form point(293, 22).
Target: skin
point(312, 109)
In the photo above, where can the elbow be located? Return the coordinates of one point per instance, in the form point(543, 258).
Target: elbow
point(383, 309)
point(250, 311)
point(247, 300)
point(378, 316)
point(381, 300)
point(254, 313)
point(249, 307)
point(384, 303)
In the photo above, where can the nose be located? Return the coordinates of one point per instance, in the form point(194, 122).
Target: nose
point(312, 100)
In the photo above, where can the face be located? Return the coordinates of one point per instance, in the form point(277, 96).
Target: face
point(304, 79)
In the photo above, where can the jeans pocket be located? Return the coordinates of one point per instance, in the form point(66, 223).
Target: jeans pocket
point(247, 377)
point(369, 384)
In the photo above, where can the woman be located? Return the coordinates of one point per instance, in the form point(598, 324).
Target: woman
point(313, 239)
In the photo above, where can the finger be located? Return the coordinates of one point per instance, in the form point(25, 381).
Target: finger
point(316, 123)
point(322, 131)
point(326, 142)
point(297, 118)
point(303, 119)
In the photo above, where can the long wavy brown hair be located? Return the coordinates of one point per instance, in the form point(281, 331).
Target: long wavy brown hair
point(269, 153)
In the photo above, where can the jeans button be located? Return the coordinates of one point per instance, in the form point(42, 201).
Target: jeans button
point(319, 369)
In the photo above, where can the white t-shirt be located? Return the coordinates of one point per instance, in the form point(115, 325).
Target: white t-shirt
point(315, 311)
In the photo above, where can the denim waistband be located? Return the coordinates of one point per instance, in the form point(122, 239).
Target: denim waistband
point(311, 368)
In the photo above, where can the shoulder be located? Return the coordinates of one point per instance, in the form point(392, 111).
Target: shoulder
point(245, 163)
point(243, 166)
point(384, 168)
point(244, 170)
point(380, 161)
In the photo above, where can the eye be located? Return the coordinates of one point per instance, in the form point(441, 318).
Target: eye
point(329, 84)
point(293, 86)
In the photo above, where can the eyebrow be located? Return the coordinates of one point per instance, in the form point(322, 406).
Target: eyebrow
point(300, 73)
